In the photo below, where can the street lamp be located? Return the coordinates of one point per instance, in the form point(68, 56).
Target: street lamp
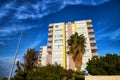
point(18, 45)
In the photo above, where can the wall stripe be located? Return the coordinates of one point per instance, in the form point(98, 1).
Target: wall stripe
point(75, 27)
point(64, 45)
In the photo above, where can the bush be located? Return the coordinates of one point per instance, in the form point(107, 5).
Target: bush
point(20, 75)
point(49, 72)
point(77, 75)
point(104, 65)
point(68, 74)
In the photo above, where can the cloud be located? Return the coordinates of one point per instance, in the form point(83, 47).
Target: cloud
point(115, 35)
point(32, 10)
point(2, 44)
point(39, 39)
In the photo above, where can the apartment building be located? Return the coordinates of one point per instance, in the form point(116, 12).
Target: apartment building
point(59, 33)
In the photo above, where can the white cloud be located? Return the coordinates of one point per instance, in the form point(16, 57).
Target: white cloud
point(115, 35)
point(2, 44)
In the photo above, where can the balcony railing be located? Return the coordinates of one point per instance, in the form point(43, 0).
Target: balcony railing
point(50, 29)
point(49, 44)
point(49, 49)
point(91, 35)
point(89, 25)
point(92, 41)
point(50, 33)
point(93, 47)
point(88, 20)
point(50, 39)
point(95, 54)
point(90, 30)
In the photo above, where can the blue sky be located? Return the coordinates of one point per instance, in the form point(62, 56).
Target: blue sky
point(33, 16)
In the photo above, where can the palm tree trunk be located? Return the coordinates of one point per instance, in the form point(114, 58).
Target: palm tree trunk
point(78, 61)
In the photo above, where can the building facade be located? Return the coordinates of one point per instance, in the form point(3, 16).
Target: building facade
point(59, 33)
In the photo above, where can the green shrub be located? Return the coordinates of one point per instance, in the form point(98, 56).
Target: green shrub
point(104, 65)
point(77, 75)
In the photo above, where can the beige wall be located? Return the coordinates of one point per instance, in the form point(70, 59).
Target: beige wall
point(112, 77)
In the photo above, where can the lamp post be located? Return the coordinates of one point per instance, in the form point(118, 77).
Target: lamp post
point(18, 45)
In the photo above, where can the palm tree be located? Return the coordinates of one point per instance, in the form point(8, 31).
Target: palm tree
point(76, 46)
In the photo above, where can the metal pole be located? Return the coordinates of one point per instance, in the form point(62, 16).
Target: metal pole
point(11, 71)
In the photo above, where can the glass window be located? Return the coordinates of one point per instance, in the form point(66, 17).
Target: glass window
point(58, 41)
point(49, 46)
point(89, 23)
point(56, 26)
point(58, 31)
point(58, 46)
point(92, 38)
point(93, 44)
point(49, 41)
point(50, 31)
point(49, 36)
point(87, 50)
point(57, 52)
point(58, 36)
point(57, 59)
point(90, 33)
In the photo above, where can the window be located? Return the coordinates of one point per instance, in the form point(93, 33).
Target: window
point(57, 53)
point(90, 33)
point(58, 36)
point(87, 50)
point(58, 46)
point(89, 28)
point(58, 59)
point(58, 41)
point(49, 41)
point(49, 36)
point(58, 31)
point(92, 38)
point(49, 59)
point(56, 26)
point(93, 44)
point(82, 28)
point(88, 23)
point(49, 46)
point(50, 26)
point(50, 31)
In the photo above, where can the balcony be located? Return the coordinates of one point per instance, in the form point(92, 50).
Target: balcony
point(92, 41)
point(49, 44)
point(51, 25)
point(89, 25)
point(91, 35)
point(50, 39)
point(50, 29)
point(49, 49)
point(88, 20)
point(50, 33)
point(90, 30)
point(95, 54)
point(93, 47)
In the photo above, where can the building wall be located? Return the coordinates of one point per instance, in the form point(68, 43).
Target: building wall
point(43, 51)
point(57, 46)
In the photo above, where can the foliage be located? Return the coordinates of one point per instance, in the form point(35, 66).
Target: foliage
point(29, 70)
point(19, 66)
point(77, 75)
point(104, 65)
point(30, 59)
point(49, 72)
point(76, 45)
point(68, 74)
point(21, 75)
